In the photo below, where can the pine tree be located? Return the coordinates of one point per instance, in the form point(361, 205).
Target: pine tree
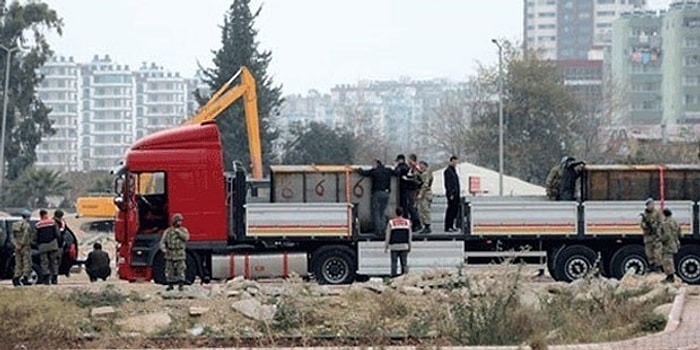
point(239, 48)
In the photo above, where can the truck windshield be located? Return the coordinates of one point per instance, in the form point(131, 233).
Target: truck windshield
point(151, 201)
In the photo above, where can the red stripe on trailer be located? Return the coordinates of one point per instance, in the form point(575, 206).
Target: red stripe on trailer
point(231, 265)
point(285, 265)
point(246, 273)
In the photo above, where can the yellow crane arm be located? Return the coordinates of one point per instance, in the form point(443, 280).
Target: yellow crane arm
point(223, 98)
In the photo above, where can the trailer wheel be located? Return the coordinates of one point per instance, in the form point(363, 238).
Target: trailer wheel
point(629, 257)
point(574, 262)
point(688, 264)
point(334, 265)
point(158, 269)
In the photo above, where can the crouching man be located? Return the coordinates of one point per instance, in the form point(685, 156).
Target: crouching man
point(97, 264)
point(398, 241)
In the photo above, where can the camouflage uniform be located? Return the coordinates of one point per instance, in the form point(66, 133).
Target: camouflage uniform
point(21, 236)
point(425, 197)
point(173, 245)
point(651, 225)
point(670, 239)
point(553, 182)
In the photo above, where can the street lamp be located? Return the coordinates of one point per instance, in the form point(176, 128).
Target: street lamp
point(500, 116)
point(5, 94)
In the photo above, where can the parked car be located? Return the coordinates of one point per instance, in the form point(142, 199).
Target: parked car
point(69, 255)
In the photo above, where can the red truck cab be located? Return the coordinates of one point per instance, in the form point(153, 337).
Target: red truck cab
point(179, 170)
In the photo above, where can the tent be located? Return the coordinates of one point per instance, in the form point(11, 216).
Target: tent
point(488, 181)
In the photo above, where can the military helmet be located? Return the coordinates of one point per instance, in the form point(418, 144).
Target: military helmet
point(26, 213)
point(58, 213)
point(176, 217)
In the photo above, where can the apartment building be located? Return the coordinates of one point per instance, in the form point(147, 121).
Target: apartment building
point(60, 91)
point(655, 59)
point(569, 29)
point(101, 107)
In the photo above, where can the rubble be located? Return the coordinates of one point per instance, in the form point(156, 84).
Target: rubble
point(198, 310)
point(148, 323)
point(253, 309)
point(102, 312)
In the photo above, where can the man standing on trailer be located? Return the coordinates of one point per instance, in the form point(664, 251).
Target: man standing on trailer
point(381, 187)
point(452, 192)
point(173, 245)
point(651, 226)
point(398, 241)
point(671, 241)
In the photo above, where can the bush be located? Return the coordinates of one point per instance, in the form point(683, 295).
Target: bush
point(108, 296)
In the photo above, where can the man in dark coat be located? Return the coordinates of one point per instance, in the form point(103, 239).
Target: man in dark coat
point(452, 192)
point(97, 263)
point(381, 187)
point(572, 171)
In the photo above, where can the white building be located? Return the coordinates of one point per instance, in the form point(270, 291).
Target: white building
point(569, 29)
point(100, 108)
point(59, 91)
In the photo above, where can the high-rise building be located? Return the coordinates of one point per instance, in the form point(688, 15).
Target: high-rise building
point(100, 108)
point(569, 29)
point(59, 91)
point(655, 60)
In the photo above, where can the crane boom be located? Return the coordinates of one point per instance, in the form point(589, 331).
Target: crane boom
point(226, 96)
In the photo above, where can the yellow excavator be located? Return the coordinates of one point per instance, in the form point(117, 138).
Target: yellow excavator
point(225, 96)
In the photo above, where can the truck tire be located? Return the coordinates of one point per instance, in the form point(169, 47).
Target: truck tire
point(334, 265)
point(158, 269)
point(688, 264)
point(626, 258)
point(552, 260)
point(574, 262)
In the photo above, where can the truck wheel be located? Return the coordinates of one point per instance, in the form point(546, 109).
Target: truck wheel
point(334, 265)
point(574, 262)
point(191, 269)
point(688, 264)
point(552, 261)
point(629, 257)
point(158, 269)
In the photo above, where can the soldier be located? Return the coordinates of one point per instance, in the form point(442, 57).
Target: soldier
point(398, 241)
point(425, 195)
point(173, 245)
point(651, 223)
point(97, 263)
point(47, 240)
point(553, 182)
point(670, 240)
point(22, 239)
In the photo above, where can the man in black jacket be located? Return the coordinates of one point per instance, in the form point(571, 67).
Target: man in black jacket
point(408, 186)
point(97, 263)
point(452, 192)
point(381, 187)
point(47, 235)
point(572, 171)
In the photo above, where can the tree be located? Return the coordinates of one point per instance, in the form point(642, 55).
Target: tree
point(239, 48)
point(541, 117)
point(361, 123)
point(27, 117)
point(318, 143)
point(33, 186)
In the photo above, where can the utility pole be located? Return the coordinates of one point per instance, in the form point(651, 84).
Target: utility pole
point(500, 117)
point(6, 93)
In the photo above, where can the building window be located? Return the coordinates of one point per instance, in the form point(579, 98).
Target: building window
point(606, 1)
point(603, 25)
point(605, 13)
point(546, 14)
point(691, 61)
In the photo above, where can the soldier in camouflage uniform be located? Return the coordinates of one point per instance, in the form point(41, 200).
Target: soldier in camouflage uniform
point(425, 195)
point(670, 240)
point(173, 245)
point(22, 239)
point(651, 226)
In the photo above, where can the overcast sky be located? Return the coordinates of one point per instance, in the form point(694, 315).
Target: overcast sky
point(316, 44)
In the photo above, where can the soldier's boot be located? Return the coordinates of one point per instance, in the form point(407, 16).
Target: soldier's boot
point(181, 286)
point(25, 281)
point(669, 279)
point(426, 229)
point(16, 282)
point(170, 287)
point(54, 279)
point(45, 279)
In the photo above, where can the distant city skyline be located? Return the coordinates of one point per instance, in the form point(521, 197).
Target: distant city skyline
point(316, 44)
